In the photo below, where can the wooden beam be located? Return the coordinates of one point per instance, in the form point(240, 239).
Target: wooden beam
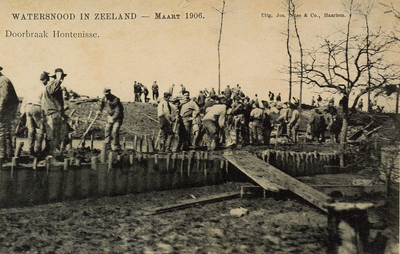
point(194, 202)
point(266, 175)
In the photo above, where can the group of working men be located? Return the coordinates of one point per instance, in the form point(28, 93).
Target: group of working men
point(44, 111)
point(233, 118)
point(46, 120)
point(230, 119)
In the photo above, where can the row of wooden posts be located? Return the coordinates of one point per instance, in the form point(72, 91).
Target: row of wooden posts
point(302, 163)
point(292, 163)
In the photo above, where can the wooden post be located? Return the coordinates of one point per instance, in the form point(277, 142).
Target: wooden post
point(78, 162)
point(198, 157)
point(182, 162)
point(49, 160)
point(14, 164)
point(190, 158)
point(131, 159)
point(94, 162)
point(139, 144)
point(119, 160)
point(1, 163)
point(156, 159)
point(168, 160)
point(70, 138)
point(135, 143)
point(205, 157)
point(66, 164)
point(144, 144)
point(103, 152)
point(150, 144)
point(91, 142)
point(348, 227)
point(35, 162)
point(110, 160)
point(174, 158)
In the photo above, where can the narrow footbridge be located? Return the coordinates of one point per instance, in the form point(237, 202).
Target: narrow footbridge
point(273, 179)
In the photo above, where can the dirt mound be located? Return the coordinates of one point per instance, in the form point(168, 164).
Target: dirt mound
point(137, 119)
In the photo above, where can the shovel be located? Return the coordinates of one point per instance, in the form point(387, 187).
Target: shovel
point(87, 130)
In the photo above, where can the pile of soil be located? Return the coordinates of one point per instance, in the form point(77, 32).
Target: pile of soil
point(137, 119)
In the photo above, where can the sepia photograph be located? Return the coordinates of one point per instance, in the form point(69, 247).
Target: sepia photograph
point(200, 126)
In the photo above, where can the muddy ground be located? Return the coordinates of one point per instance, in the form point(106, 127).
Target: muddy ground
point(279, 224)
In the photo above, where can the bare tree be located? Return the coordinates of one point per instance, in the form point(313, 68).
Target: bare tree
point(293, 9)
point(365, 11)
point(342, 65)
point(289, 9)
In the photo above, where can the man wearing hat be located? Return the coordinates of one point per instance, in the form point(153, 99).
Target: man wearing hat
point(34, 117)
point(8, 109)
point(165, 119)
point(53, 108)
point(189, 111)
point(115, 117)
point(154, 88)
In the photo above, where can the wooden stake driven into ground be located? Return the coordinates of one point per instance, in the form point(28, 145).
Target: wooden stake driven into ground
point(271, 178)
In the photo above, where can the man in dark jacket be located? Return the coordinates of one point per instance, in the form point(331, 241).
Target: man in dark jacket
point(52, 104)
point(8, 109)
point(115, 111)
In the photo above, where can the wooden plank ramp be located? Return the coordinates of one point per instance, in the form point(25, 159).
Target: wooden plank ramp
point(271, 178)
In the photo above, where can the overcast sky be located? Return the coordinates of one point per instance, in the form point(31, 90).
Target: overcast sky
point(184, 51)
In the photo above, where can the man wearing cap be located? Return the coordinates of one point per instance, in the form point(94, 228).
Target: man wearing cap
point(228, 92)
point(238, 120)
point(8, 109)
point(189, 111)
point(115, 117)
point(34, 118)
point(165, 119)
point(53, 108)
point(154, 88)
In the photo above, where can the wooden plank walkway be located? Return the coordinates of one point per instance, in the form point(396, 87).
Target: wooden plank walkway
point(270, 177)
